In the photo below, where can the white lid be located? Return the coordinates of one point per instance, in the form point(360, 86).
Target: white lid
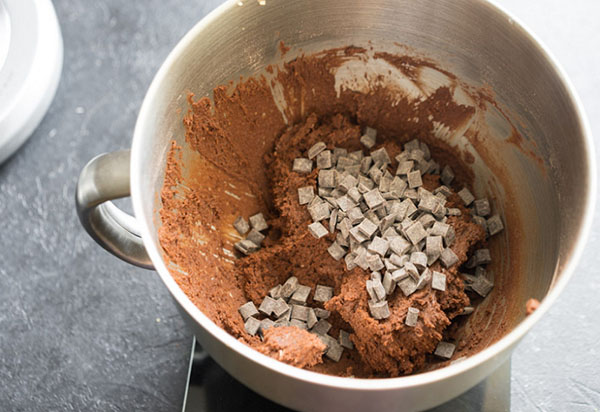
point(31, 56)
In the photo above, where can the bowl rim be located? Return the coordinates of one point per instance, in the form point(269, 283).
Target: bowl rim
point(377, 384)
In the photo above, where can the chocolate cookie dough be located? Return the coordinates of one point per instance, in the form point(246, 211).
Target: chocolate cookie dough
point(241, 162)
point(292, 345)
point(387, 346)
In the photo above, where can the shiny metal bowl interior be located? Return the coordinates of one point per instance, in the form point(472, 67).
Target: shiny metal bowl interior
point(471, 39)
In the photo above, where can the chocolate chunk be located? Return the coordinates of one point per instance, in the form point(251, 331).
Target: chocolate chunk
point(317, 230)
point(357, 155)
point(266, 324)
point(300, 312)
point(334, 351)
point(412, 315)
point(379, 245)
point(289, 287)
point(428, 202)
point(399, 245)
point(375, 262)
point(414, 179)
point(305, 194)
point(467, 310)
point(379, 310)
point(448, 258)
point(344, 340)
point(482, 286)
point(376, 275)
point(247, 310)
point(447, 175)
point(482, 207)
point(345, 203)
point(251, 326)
point(438, 281)
point(246, 246)
point(378, 289)
point(349, 260)
point(354, 194)
point(416, 155)
point(442, 190)
point(336, 251)
point(412, 270)
point(381, 156)
point(275, 292)
point(268, 305)
point(339, 152)
point(397, 187)
point(347, 183)
point(365, 164)
point(302, 165)
point(365, 184)
point(258, 222)
point(373, 198)
point(399, 260)
point(345, 162)
point(412, 145)
point(298, 323)
point(419, 259)
point(495, 225)
point(255, 237)
point(241, 225)
point(453, 211)
point(399, 275)
point(322, 313)
point(404, 168)
point(434, 248)
point(480, 257)
point(439, 229)
point(424, 279)
point(369, 137)
point(416, 232)
point(361, 256)
point(409, 205)
point(390, 233)
point(316, 149)
point(325, 160)
point(466, 196)
point(388, 284)
point(333, 218)
point(326, 178)
point(321, 327)
point(355, 215)
point(427, 221)
point(407, 285)
point(280, 308)
point(300, 296)
point(445, 350)
point(481, 222)
point(319, 211)
point(311, 319)
point(323, 293)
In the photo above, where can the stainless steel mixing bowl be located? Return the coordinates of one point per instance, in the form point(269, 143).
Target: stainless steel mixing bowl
point(473, 39)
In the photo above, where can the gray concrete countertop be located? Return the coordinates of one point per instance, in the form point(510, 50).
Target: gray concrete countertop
point(82, 330)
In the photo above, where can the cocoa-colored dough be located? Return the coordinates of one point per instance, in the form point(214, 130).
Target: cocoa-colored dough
point(531, 305)
point(386, 346)
point(292, 345)
point(239, 163)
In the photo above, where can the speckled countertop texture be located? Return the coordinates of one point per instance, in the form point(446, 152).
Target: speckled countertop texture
point(81, 330)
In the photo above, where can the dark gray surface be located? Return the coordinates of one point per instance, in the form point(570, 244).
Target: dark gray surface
point(81, 330)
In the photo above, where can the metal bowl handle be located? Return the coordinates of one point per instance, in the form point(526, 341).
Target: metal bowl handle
point(105, 178)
